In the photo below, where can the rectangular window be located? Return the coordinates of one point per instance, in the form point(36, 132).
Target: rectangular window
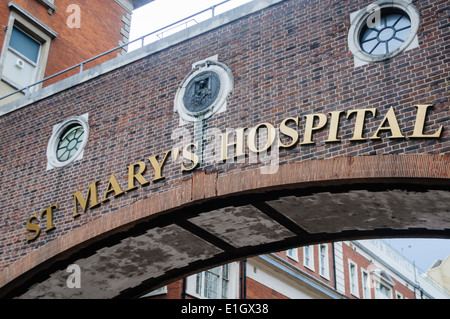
point(24, 56)
point(308, 257)
point(24, 44)
point(198, 283)
point(21, 59)
point(225, 281)
point(365, 278)
point(213, 283)
point(292, 253)
point(353, 279)
point(383, 284)
point(384, 291)
point(323, 261)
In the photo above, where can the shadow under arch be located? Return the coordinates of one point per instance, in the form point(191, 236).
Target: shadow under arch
point(214, 218)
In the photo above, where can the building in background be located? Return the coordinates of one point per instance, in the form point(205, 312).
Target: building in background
point(440, 272)
point(40, 38)
point(363, 269)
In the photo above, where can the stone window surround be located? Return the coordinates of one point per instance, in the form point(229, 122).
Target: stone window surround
point(220, 104)
point(292, 253)
point(358, 19)
point(49, 4)
point(58, 130)
point(353, 278)
point(324, 264)
point(308, 257)
point(37, 30)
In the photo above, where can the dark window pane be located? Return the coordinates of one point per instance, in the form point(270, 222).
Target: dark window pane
point(24, 44)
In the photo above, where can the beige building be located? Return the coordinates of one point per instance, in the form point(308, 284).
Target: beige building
point(440, 272)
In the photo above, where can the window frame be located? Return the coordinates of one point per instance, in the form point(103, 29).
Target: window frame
point(308, 257)
point(36, 30)
point(385, 19)
point(193, 288)
point(58, 131)
point(353, 278)
point(49, 4)
point(398, 295)
point(292, 254)
point(380, 293)
point(359, 18)
point(20, 54)
point(325, 265)
point(366, 284)
point(382, 279)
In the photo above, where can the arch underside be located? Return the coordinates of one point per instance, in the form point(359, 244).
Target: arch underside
point(135, 258)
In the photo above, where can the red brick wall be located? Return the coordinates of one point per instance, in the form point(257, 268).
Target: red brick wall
point(364, 263)
point(313, 272)
point(288, 60)
point(174, 291)
point(99, 32)
point(256, 290)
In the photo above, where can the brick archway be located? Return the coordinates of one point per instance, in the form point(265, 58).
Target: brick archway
point(261, 207)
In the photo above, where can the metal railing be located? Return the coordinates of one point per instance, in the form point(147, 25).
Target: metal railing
point(159, 33)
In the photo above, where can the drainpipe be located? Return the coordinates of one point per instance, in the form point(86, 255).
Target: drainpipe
point(183, 289)
point(334, 266)
point(243, 280)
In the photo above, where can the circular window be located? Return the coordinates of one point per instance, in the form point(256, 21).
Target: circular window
point(383, 30)
point(67, 141)
point(387, 36)
point(70, 142)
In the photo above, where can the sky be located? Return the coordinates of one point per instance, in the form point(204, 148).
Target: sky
point(160, 13)
point(422, 252)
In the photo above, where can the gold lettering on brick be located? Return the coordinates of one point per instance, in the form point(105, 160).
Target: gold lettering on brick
point(91, 194)
point(359, 123)
point(132, 176)
point(286, 130)
point(113, 186)
point(251, 141)
point(34, 227)
point(420, 123)
point(158, 168)
point(310, 127)
point(313, 122)
point(190, 157)
point(393, 126)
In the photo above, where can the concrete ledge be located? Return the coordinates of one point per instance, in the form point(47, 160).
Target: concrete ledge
point(152, 48)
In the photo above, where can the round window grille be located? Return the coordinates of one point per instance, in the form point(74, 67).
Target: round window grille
point(390, 33)
point(70, 142)
point(67, 141)
point(383, 30)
